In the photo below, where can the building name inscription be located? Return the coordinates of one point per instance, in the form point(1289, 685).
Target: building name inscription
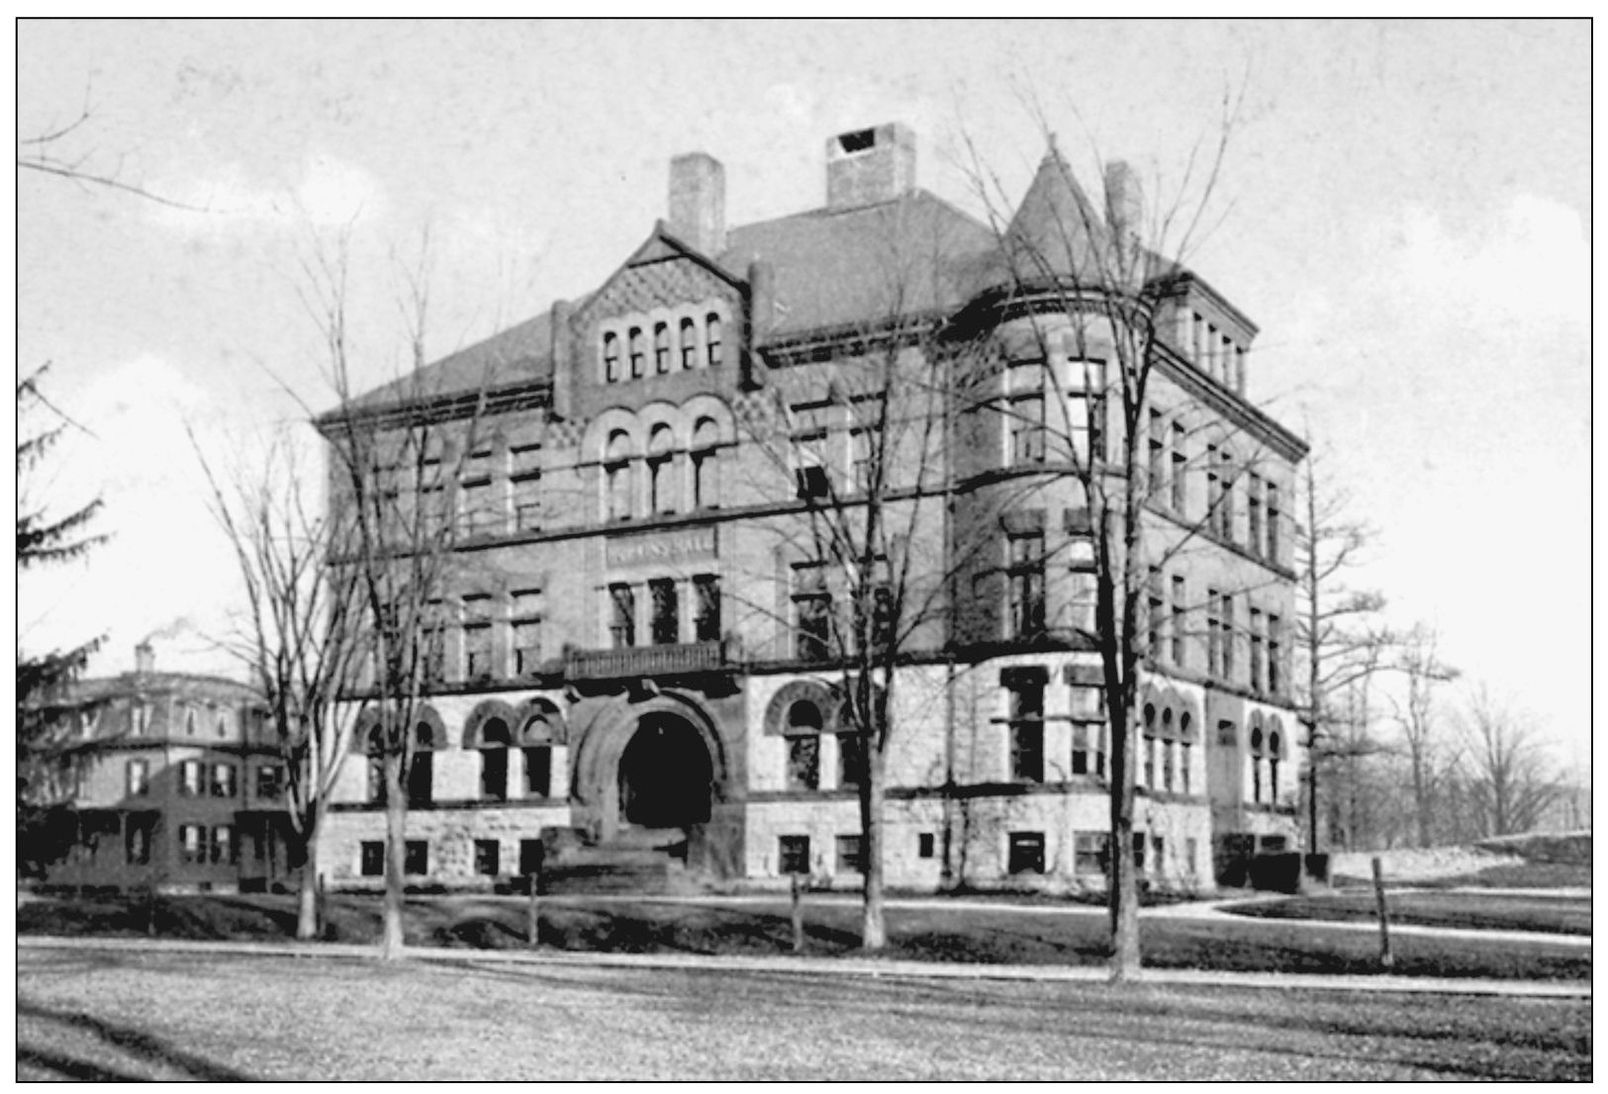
point(661, 547)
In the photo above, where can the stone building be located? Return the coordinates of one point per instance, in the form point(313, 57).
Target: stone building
point(632, 646)
point(179, 787)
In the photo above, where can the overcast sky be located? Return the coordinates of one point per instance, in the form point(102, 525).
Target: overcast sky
point(1405, 216)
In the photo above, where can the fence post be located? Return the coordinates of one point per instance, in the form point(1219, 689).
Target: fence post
point(798, 918)
point(1386, 958)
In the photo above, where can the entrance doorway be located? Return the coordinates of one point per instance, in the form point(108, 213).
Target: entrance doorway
point(665, 774)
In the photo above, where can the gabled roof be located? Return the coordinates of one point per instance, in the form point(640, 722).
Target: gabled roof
point(837, 267)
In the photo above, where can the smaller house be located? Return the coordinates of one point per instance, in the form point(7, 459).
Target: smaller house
point(179, 785)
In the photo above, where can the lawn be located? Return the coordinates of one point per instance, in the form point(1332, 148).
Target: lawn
point(1477, 910)
point(964, 933)
point(111, 1016)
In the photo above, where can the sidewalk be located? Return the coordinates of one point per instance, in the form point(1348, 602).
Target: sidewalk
point(835, 966)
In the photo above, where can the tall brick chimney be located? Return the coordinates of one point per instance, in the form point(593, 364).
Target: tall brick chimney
point(698, 202)
point(144, 658)
point(869, 166)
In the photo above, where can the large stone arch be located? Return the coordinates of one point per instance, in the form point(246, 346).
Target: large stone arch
point(594, 789)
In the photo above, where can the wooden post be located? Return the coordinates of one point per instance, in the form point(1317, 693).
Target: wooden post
point(533, 919)
point(798, 919)
point(1386, 958)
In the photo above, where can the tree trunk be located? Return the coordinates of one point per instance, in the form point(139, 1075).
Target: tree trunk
point(873, 928)
point(307, 918)
point(1124, 892)
point(391, 939)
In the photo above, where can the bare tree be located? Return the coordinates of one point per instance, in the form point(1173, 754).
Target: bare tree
point(49, 153)
point(1423, 740)
point(1094, 283)
point(396, 463)
point(300, 637)
point(1509, 781)
point(1337, 631)
point(866, 441)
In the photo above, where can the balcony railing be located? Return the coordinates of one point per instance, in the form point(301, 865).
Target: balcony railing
point(645, 661)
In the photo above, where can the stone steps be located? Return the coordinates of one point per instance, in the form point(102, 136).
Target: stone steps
point(649, 861)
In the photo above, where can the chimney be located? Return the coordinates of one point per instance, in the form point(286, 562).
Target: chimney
point(869, 166)
point(698, 202)
point(144, 658)
point(561, 347)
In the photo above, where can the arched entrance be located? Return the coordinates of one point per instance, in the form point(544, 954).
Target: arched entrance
point(665, 774)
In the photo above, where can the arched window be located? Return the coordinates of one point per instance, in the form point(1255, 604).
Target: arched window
point(611, 357)
point(1168, 749)
point(712, 338)
point(617, 476)
point(689, 344)
point(1273, 754)
point(1256, 765)
point(705, 464)
point(636, 353)
point(804, 717)
point(421, 769)
point(661, 476)
point(189, 723)
point(495, 740)
point(661, 348)
point(1150, 745)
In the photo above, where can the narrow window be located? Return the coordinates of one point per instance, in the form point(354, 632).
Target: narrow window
point(538, 771)
point(661, 471)
point(689, 344)
point(494, 745)
point(137, 842)
point(192, 842)
point(804, 762)
point(611, 357)
point(190, 778)
point(223, 844)
point(666, 621)
point(1026, 585)
point(1256, 765)
point(1227, 611)
point(1273, 751)
point(851, 759)
point(622, 627)
point(926, 845)
point(1027, 730)
point(421, 772)
point(371, 858)
point(416, 857)
point(1253, 513)
point(638, 356)
point(1179, 479)
point(850, 855)
point(617, 476)
point(812, 613)
point(706, 620)
point(1275, 656)
point(139, 778)
point(223, 780)
point(705, 465)
point(1257, 639)
point(1179, 622)
point(269, 781)
point(525, 614)
point(661, 348)
point(487, 853)
point(712, 338)
point(1271, 507)
point(1158, 456)
point(531, 854)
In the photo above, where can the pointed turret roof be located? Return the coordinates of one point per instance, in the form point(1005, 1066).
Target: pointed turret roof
point(1057, 230)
